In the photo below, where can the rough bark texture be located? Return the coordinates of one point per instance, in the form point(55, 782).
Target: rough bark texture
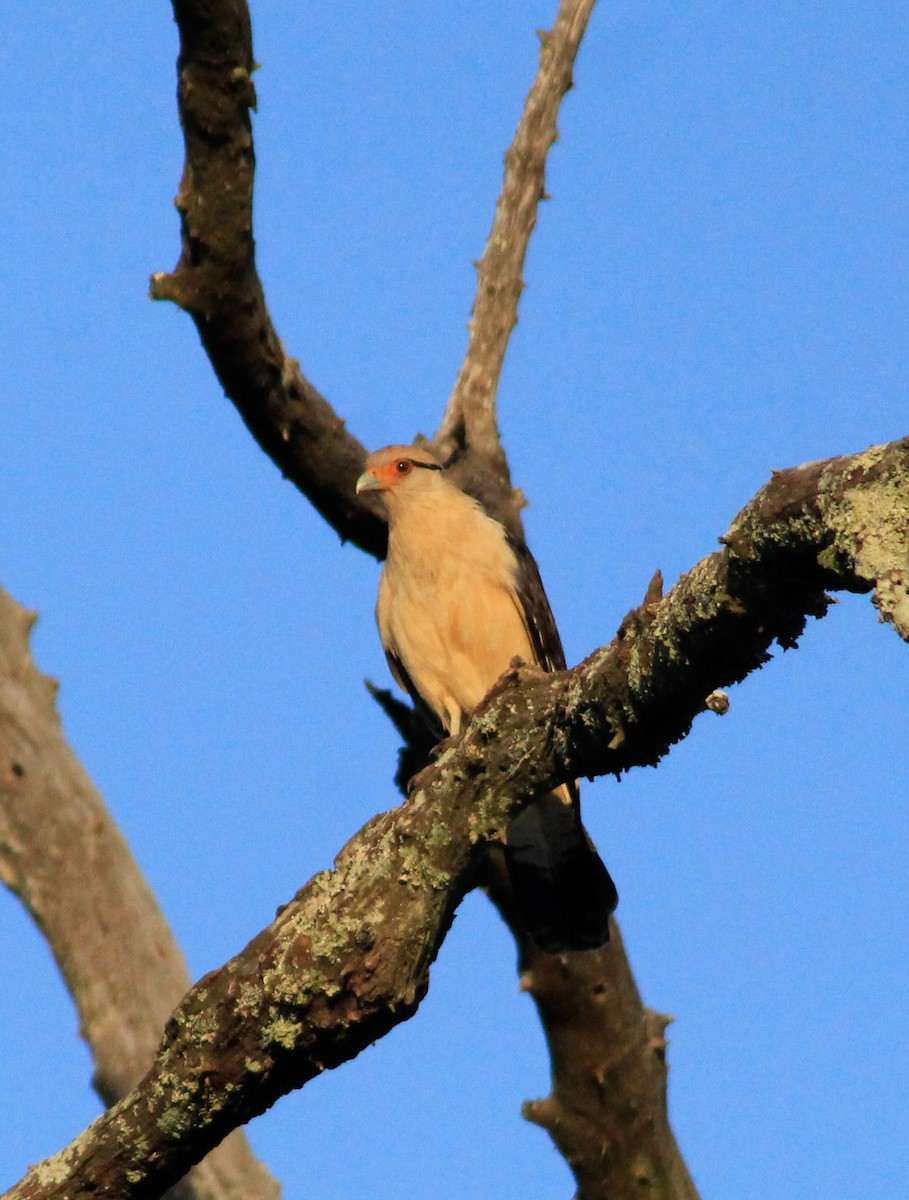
point(607, 1111)
point(604, 1115)
point(349, 957)
point(62, 854)
point(216, 281)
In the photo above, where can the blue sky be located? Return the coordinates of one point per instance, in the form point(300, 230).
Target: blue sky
point(717, 288)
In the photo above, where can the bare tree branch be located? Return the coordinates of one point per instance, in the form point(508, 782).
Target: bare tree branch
point(63, 856)
point(607, 1112)
point(350, 956)
point(470, 418)
point(216, 281)
point(600, 1112)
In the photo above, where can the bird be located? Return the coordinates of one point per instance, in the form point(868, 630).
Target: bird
point(459, 599)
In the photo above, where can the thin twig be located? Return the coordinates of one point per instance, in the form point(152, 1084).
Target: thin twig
point(470, 418)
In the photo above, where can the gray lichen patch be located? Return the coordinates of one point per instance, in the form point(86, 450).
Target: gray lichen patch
point(282, 1031)
point(891, 597)
point(870, 523)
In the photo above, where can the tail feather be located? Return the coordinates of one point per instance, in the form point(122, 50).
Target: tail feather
point(563, 891)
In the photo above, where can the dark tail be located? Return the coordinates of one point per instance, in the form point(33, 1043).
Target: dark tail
point(563, 892)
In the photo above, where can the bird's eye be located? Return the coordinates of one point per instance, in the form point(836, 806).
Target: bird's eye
point(403, 466)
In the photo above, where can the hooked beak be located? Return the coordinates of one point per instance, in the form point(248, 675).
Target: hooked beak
point(368, 483)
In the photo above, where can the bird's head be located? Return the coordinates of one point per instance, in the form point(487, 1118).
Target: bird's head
point(405, 467)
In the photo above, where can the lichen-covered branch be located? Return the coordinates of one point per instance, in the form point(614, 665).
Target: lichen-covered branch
point(470, 419)
point(63, 856)
point(839, 524)
point(350, 956)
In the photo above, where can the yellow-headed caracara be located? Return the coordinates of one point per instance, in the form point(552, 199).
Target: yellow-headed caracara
point(458, 600)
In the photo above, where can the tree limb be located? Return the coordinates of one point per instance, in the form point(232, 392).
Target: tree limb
point(63, 856)
point(608, 1055)
point(349, 957)
point(470, 423)
point(217, 283)
point(608, 1097)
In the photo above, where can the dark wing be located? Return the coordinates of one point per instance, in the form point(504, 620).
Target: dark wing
point(538, 618)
